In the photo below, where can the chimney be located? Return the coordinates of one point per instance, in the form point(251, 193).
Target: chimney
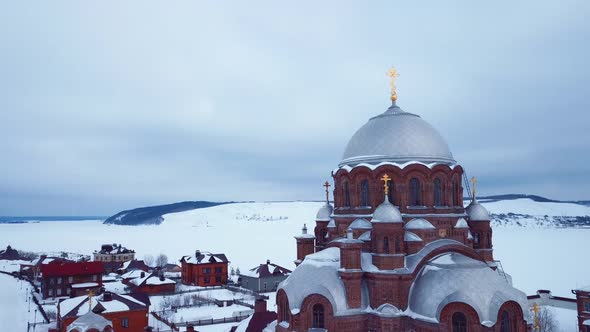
point(304, 229)
point(190, 328)
point(162, 278)
point(142, 275)
point(197, 253)
point(349, 234)
point(260, 305)
point(267, 261)
point(108, 296)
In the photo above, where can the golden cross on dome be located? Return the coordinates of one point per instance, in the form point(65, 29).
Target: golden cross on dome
point(393, 74)
point(474, 182)
point(327, 186)
point(385, 178)
point(536, 311)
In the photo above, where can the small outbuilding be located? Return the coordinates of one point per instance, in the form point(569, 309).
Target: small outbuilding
point(264, 277)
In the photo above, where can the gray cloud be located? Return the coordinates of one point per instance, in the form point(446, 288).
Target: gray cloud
point(110, 105)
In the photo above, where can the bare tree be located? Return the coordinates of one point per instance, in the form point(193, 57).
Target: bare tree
point(547, 321)
point(148, 260)
point(161, 260)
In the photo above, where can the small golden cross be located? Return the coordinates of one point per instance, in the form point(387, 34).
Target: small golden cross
point(474, 182)
point(385, 178)
point(393, 74)
point(327, 186)
point(90, 294)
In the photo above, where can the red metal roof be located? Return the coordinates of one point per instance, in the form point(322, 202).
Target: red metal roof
point(58, 269)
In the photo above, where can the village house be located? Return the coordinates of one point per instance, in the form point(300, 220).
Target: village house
point(583, 306)
point(204, 269)
point(263, 278)
point(134, 265)
point(133, 274)
point(70, 278)
point(33, 269)
point(9, 254)
point(152, 284)
point(119, 312)
point(113, 253)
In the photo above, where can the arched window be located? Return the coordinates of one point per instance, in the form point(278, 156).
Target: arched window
point(386, 245)
point(415, 196)
point(459, 322)
point(398, 248)
point(390, 192)
point(505, 322)
point(284, 310)
point(437, 192)
point(365, 193)
point(318, 316)
point(476, 241)
point(454, 192)
point(488, 240)
point(346, 195)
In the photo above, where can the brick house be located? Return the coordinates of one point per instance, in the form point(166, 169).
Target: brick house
point(70, 278)
point(152, 284)
point(124, 312)
point(9, 254)
point(583, 306)
point(263, 278)
point(204, 269)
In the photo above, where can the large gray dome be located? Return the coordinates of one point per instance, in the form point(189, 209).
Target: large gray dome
point(396, 136)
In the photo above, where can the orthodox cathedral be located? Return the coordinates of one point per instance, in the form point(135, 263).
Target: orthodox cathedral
point(398, 251)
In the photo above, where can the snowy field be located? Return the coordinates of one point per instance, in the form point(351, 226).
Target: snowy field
point(250, 233)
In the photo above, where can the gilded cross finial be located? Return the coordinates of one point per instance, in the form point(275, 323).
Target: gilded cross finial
point(327, 186)
point(536, 310)
point(474, 183)
point(90, 295)
point(385, 178)
point(393, 74)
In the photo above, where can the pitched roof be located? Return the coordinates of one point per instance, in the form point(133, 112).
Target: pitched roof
point(260, 320)
point(58, 269)
point(204, 257)
point(135, 265)
point(78, 306)
point(266, 270)
point(151, 279)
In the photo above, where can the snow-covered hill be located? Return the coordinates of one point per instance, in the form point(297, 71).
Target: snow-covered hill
point(249, 233)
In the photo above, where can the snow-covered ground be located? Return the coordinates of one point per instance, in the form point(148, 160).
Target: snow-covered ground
point(15, 312)
point(538, 257)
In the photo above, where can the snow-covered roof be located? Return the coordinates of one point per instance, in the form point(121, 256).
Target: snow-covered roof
point(477, 212)
point(387, 213)
point(151, 279)
point(419, 223)
point(318, 274)
point(452, 277)
point(586, 322)
point(89, 321)
point(134, 274)
point(361, 224)
point(325, 212)
point(332, 223)
point(85, 285)
point(366, 236)
point(387, 310)
point(204, 257)
point(461, 223)
point(411, 237)
point(266, 270)
point(104, 303)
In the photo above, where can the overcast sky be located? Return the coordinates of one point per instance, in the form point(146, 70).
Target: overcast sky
point(111, 105)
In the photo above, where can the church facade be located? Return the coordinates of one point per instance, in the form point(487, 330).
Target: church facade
point(398, 251)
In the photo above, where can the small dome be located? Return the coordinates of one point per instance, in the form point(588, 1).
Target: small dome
point(387, 213)
point(419, 223)
point(324, 213)
point(396, 136)
point(387, 309)
point(461, 223)
point(477, 212)
point(361, 224)
point(411, 237)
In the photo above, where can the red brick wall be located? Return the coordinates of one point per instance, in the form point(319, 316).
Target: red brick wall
point(155, 289)
point(581, 298)
point(194, 274)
